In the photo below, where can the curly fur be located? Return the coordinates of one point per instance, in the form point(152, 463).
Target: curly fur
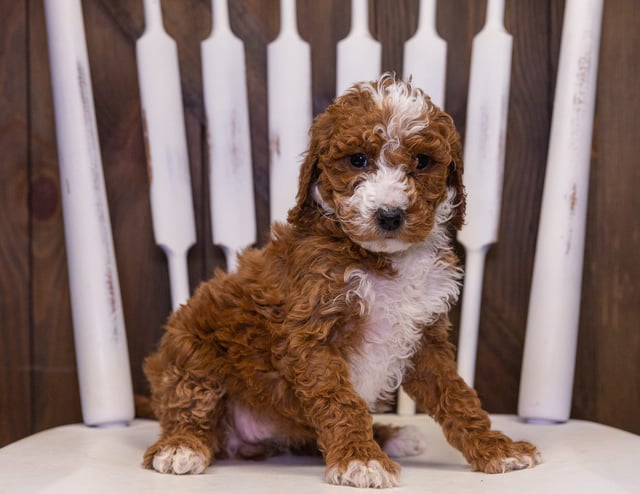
point(293, 350)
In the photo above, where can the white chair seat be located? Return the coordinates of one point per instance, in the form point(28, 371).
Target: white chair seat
point(580, 457)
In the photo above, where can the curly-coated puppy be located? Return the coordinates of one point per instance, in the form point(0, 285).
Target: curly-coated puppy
point(347, 302)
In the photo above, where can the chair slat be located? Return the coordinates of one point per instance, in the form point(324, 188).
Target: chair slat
point(172, 212)
point(554, 306)
point(100, 341)
point(290, 109)
point(233, 215)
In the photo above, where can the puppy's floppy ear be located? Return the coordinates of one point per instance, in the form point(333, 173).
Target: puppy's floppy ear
point(454, 176)
point(308, 176)
point(320, 135)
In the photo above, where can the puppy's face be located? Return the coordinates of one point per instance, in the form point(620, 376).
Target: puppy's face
point(385, 163)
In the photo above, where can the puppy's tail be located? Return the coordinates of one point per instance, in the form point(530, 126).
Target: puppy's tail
point(143, 407)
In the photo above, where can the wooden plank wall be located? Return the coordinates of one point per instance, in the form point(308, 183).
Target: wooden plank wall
point(38, 382)
point(15, 276)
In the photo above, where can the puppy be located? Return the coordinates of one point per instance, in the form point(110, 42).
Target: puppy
point(346, 303)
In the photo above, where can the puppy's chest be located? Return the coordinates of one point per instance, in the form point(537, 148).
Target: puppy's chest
point(397, 310)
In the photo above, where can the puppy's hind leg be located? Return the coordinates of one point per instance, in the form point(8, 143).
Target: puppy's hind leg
point(189, 409)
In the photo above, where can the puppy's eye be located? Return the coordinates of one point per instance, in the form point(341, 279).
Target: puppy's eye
point(358, 160)
point(422, 161)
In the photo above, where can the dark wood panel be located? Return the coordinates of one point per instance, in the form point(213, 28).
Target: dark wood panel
point(608, 379)
point(510, 261)
point(36, 318)
point(256, 22)
point(458, 21)
point(15, 392)
point(323, 24)
point(54, 377)
point(393, 23)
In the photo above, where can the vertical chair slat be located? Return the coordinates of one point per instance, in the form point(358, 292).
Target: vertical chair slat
point(290, 109)
point(484, 152)
point(166, 146)
point(554, 307)
point(98, 322)
point(233, 216)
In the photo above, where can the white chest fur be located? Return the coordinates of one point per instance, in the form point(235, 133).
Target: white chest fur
point(398, 308)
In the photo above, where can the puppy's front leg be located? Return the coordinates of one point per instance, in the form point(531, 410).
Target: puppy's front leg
point(340, 417)
point(436, 386)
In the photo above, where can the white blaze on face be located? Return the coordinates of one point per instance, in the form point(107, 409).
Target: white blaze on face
point(384, 189)
point(408, 109)
point(407, 105)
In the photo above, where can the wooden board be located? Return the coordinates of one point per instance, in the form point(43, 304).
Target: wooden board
point(608, 345)
point(15, 338)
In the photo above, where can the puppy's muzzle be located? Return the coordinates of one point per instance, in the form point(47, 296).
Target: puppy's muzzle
point(389, 219)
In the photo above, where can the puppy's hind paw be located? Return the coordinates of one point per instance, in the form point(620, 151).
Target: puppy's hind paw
point(361, 474)
point(407, 441)
point(179, 460)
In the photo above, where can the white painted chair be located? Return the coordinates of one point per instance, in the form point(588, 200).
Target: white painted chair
point(105, 457)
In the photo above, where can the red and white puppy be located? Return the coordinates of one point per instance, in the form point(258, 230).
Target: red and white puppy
point(346, 303)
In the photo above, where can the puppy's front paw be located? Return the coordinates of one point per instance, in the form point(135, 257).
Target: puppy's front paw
point(178, 459)
point(506, 456)
point(363, 474)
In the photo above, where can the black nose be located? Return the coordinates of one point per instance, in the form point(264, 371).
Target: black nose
point(389, 219)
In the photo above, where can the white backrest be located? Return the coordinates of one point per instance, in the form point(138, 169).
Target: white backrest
point(225, 100)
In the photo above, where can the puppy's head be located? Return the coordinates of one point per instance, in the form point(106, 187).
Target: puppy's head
point(386, 164)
